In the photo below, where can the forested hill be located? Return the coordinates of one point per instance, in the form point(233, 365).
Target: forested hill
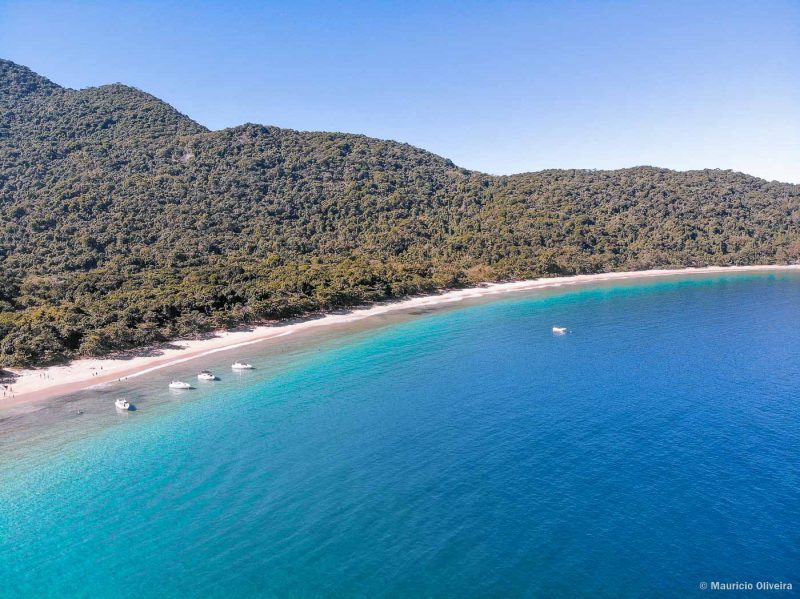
point(126, 223)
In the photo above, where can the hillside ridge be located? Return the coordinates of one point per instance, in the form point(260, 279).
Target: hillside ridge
point(122, 86)
point(127, 223)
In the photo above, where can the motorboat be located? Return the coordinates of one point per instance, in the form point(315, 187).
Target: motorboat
point(179, 385)
point(241, 366)
point(206, 375)
point(559, 330)
point(122, 404)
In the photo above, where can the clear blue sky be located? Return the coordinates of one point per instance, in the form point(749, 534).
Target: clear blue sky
point(502, 87)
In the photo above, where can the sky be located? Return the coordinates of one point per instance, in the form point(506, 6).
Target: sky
point(501, 87)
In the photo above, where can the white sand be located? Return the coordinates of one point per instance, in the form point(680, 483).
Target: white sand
point(33, 385)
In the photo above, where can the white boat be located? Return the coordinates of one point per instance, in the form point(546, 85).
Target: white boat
point(179, 385)
point(241, 366)
point(559, 330)
point(206, 375)
point(122, 404)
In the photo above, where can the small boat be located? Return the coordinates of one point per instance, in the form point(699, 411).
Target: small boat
point(179, 385)
point(559, 330)
point(206, 375)
point(241, 366)
point(122, 404)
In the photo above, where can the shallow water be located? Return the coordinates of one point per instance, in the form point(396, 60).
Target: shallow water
point(467, 453)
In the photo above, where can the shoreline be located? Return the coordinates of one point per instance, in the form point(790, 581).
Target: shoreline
point(32, 385)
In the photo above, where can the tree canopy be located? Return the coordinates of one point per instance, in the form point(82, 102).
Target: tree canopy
point(126, 223)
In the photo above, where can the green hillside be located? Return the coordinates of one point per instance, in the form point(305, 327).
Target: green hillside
point(126, 223)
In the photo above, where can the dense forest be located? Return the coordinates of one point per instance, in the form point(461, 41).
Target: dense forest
point(126, 223)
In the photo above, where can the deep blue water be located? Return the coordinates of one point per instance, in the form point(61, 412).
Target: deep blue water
point(468, 453)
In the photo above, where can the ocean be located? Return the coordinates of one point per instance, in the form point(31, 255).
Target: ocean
point(466, 452)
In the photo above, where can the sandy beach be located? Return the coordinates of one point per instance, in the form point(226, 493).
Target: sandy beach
point(33, 385)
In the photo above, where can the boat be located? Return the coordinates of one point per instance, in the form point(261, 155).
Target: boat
point(122, 404)
point(206, 375)
point(559, 330)
point(179, 385)
point(241, 366)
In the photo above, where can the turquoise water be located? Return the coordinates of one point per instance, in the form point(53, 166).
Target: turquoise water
point(468, 453)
